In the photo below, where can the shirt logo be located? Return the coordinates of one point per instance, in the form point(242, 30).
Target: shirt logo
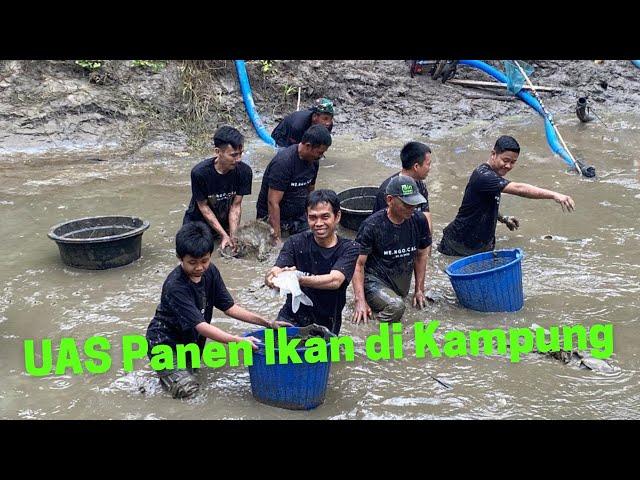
point(301, 184)
point(400, 252)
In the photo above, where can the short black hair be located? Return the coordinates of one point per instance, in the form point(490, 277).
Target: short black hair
point(195, 239)
point(324, 195)
point(227, 135)
point(412, 153)
point(506, 143)
point(317, 135)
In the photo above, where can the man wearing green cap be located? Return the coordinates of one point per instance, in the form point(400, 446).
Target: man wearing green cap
point(393, 244)
point(290, 130)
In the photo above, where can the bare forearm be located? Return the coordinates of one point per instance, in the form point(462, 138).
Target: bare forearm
point(244, 315)
point(274, 219)
point(211, 219)
point(329, 281)
point(529, 191)
point(214, 333)
point(358, 282)
point(235, 212)
point(419, 269)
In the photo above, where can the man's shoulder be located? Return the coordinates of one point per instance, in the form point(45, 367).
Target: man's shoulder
point(202, 167)
point(286, 154)
point(299, 116)
point(301, 239)
point(176, 280)
point(244, 169)
point(375, 218)
point(384, 184)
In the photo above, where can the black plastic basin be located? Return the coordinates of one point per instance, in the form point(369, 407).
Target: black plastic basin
point(356, 204)
point(98, 243)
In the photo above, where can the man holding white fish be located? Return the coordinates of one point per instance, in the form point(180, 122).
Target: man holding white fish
point(323, 263)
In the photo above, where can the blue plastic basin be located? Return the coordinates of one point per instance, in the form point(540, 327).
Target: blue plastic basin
point(490, 281)
point(295, 386)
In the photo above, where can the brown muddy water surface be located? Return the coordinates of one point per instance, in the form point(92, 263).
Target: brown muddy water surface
point(587, 272)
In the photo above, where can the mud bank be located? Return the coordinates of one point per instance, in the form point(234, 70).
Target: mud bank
point(56, 107)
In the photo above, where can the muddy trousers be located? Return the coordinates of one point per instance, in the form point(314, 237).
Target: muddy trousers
point(384, 301)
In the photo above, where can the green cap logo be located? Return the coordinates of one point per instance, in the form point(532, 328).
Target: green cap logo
point(407, 189)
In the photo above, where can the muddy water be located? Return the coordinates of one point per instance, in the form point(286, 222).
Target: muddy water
point(587, 273)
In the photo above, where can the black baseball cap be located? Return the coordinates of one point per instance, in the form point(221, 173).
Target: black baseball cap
point(406, 189)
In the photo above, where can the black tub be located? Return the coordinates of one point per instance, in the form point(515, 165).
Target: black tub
point(356, 204)
point(98, 243)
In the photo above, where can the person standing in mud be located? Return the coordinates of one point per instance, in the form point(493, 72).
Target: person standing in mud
point(416, 163)
point(287, 181)
point(327, 259)
point(218, 185)
point(184, 314)
point(473, 230)
point(393, 244)
point(290, 130)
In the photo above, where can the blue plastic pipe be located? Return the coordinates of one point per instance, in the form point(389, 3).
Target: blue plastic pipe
point(552, 137)
point(247, 97)
point(636, 63)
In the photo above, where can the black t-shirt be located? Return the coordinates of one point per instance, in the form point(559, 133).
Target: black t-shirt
point(288, 173)
point(392, 248)
point(475, 225)
point(302, 251)
point(292, 127)
point(184, 304)
point(381, 195)
point(219, 190)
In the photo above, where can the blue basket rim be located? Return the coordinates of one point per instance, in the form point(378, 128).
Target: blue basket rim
point(519, 256)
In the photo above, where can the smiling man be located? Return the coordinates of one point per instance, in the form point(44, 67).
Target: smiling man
point(328, 260)
point(218, 185)
point(474, 228)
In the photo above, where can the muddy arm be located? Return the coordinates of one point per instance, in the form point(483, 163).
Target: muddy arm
point(211, 218)
point(235, 212)
point(329, 281)
point(531, 191)
point(273, 199)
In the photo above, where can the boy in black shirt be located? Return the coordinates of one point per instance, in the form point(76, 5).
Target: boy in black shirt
point(287, 181)
point(328, 259)
point(393, 244)
point(474, 228)
point(184, 314)
point(218, 185)
point(290, 130)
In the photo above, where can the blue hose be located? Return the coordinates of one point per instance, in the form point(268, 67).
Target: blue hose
point(552, 138)
point(636, 63)
point(247, 97)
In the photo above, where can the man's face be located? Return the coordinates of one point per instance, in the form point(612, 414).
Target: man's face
point(400, 209)
point(322, 119)
point(322, 221)
point(503, 163)
point(228, 157)
point(423, 170)
point(310, 153)
point(195, 267)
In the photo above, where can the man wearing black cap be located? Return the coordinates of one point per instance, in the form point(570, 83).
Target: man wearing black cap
point(393, 243)
point(474, 228)
point(290, 130)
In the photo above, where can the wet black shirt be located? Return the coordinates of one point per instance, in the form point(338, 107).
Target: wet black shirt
point(302, 251)
point(184, 304)
point(292, 127)
point(392, 248)
point(219, 190)
point(474, 227)
point(381, 195)
point(288, 173)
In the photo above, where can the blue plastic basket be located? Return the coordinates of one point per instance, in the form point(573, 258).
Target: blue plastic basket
point(295, 386)
point(490, 281)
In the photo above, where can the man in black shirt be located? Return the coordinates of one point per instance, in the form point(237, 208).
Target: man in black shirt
point(327, 259)
point(416, 163)
point(184, 314)
point(290, 130)
point(218, 185)
point(287, 181)
point(474, 228)
point(393, 243)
